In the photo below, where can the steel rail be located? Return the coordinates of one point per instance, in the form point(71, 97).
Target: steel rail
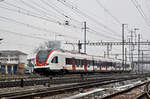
point(55, 80)
point(58, 90)
point(123, 91)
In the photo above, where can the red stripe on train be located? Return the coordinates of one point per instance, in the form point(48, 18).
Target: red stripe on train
point(44, 63)
point(100, 68)
point(85, 65)
point(106, 68)
point(73, 64)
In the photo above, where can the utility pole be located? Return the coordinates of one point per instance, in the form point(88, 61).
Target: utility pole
point(104, 54)
point(123, 45)
point(129, 49)
point(125, 57)
point(135, 29)
point(108, 51)
point(142, 61)
point(132, 48)
point(138, 52)
point(85, 37)
point(79, 46)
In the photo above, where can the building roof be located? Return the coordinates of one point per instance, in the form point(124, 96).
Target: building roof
point(11, 53)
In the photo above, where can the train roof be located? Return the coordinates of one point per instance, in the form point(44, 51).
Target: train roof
point(77, 53)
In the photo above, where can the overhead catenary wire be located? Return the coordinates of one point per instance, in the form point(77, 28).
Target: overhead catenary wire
point(46, 10)
point(28, 25)
point(59, 11)
point(109, 13)
point(30, 14)
point(36, 9)
point(35, 27)
point(141, 12)
point(46, 13)
point(43, 29)
point(87, 16)
point(33, 14)
point(147, 5)
point(78, 26)
point(102, 34)
point(20, 34)
point(27, 14)
point(41, 9)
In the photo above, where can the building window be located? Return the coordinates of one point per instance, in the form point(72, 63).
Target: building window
point(55, 59)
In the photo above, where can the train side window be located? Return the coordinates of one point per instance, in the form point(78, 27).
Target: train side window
point(92, 62)
point(109, 64)
point(106, 64)
point(114, 64)
point(97, 64)
point(103, 64)
point(55, 59)
point(88, 63)
point(68, 61)
point(81, 63)
point(100, 63)
point(77, 62)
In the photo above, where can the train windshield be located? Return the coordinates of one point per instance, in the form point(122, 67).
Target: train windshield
point(42, 55)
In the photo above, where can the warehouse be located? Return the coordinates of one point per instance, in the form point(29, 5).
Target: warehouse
point(12, 62)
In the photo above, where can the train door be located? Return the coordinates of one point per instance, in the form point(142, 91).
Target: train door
point(106, 64)
point(93, 63)
point(85, 64)
point(100, 65)
point(55, 63)
point(73, 64)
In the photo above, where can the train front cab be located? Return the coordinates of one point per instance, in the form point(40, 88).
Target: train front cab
point(47, 62)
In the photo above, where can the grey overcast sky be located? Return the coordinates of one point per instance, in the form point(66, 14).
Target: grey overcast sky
point(25, 24)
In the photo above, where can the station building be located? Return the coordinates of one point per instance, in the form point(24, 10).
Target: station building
point(12, 62)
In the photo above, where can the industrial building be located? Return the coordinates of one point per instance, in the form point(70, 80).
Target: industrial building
point(12, 62)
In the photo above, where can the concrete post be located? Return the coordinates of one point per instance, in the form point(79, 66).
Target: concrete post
point(6, 70)
point(12, 69)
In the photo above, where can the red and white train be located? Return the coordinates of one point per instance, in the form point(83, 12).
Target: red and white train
point(60, 61)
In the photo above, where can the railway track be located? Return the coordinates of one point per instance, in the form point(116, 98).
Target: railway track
point(54, 80)
point(142, 96)
point(112, 96)
point(17, 77)
point(146, 93)
point(61, 89)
